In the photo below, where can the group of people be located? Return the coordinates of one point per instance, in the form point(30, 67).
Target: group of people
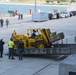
point(2, 22)
point(11, 49)
point(20, 49)
point(20, 16)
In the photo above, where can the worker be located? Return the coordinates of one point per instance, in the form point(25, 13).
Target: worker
point(21, 15)
point(11, 48)
point(20, 49)
point(14, 34)
point(1, 21)
point(1, 47)
point(7, 22)
point(33, 34)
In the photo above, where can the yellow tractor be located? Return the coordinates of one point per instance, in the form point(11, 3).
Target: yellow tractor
point(43, 39)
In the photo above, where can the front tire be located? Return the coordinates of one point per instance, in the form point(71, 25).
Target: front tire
point(41, 45)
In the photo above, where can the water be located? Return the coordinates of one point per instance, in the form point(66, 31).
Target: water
point(25, 8)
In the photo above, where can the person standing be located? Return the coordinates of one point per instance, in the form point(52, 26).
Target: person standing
point(14, 34)
point(21, 15)
point(11, 48)
point(1, 47)
point(7, 22)
point(20, 49)
point(1, 22)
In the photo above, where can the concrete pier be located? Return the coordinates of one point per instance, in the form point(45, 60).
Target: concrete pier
point(68, 66)
point(34, 65)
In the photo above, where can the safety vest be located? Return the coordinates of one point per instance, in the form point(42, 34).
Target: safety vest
point(10, 44)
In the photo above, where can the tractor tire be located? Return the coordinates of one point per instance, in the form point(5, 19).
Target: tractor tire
point(41, 44)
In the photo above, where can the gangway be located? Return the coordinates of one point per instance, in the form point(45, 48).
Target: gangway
point(59, 49)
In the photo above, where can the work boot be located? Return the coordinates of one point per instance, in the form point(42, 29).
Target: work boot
point(12, 58)
point(1, 56)
point(9, 57)
point(21, 59)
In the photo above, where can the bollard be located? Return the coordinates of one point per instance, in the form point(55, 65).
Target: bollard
point(0, 15)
